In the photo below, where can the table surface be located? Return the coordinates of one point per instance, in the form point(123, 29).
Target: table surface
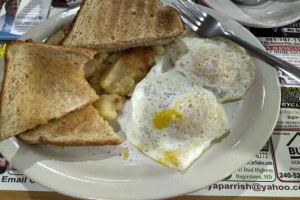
point(26, 195)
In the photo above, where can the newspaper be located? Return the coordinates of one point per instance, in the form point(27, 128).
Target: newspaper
point(28, 13)
point(273, 172)
point(17, 17)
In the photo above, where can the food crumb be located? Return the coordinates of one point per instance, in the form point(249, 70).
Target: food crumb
point(125, 153)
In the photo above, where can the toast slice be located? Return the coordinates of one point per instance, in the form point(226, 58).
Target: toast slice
point(78, 128)
point(41, 82)
point(114, 25)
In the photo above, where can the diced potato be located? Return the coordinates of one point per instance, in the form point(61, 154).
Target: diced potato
point(116, 80)
point(139, 61)
point(109, 105)
point(57, 37)
point(94, 82)
point(123, 87)
point(106, 108)
point(96, 64)
point(132, 67)
point(119, 101)
point(159, 49)
point(114, 57)
point(89, 69)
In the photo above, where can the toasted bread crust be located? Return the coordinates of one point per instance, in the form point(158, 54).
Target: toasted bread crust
point(89, 53)
point(41, 82)
point(113, 25)
point(79, 128)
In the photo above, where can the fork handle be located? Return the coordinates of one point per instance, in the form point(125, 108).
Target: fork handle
point(274, 61)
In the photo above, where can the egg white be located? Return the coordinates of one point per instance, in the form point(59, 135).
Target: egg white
point(182, 140)
point(217, 64)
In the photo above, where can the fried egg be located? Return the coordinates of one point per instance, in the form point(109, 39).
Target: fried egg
point(172, 119)
point(176, 112)
point(217, 64)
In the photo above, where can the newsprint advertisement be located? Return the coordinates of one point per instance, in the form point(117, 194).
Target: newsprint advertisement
point(273, 172)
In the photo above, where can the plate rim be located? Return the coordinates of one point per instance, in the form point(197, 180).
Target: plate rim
point(255, 24)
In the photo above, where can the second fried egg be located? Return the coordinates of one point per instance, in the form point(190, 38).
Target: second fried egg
point(218, 65)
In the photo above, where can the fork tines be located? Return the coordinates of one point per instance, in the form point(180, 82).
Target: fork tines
point(191, 14)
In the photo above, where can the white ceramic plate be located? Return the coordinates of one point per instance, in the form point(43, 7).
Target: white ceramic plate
point(101, 173)
point(274, 13)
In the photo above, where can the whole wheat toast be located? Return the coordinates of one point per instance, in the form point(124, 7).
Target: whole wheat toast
point(41, 82)
point(113, 25)
point(78, 128)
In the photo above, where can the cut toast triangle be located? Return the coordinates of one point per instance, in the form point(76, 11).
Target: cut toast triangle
point(78, 128)
point(41, 82)
point(114, 25)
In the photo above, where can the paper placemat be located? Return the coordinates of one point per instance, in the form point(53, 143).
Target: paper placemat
point(273, 172)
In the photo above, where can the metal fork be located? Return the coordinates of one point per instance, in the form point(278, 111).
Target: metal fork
point(207, 26)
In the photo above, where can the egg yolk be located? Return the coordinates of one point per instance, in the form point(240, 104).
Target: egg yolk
point(161, 119)
point(125, 153)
